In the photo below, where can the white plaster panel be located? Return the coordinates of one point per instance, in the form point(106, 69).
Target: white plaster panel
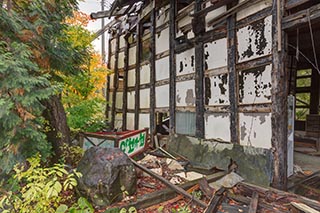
point(216, 54)
point(144, 120)
point(217, 126)
point(132, 55)
point(145, 74)
point(131, 99)
point(162, 96)
point(253, 8)
point(219, 90)
point(131, 78)
point(255, 129)
point(118, 121)
point(163, 15)
point(162, 68)
point(119, 100)
point(183, 22)
point(130, 121)
point(255, 85)
point(110, 98)
point(113, 45)
point(112, 62)
point(185, 93)
point(162, 41)
point(111, 81)
point(121, 60)
point(145, 98)
point(185, 62)
point(255, 40)
point(214, 13)
point(122, 42)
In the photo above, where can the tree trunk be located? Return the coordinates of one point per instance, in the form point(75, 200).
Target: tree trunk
point(58, 132)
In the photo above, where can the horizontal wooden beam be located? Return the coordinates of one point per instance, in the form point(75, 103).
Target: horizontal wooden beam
point(294, 3)
point(205, 11)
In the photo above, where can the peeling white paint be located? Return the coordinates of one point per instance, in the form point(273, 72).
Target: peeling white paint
point(113, 45)
point(145, 74)
point(144, 120)
point(185, 93)
point(131, 78)
point(217, 126)
point(162, 41)
point(185, 62)
point(214, 13)
point(255, 129)
point(132, 55)
point(122, 42)
point(145, 98)
point(131, 99)
point(162, 69)
point(256, 87)
point(219, 90)
point(130, 121)
point(253, 8)
point(111, 81)
point(162, 96)
point(181, 24)
point(119, 100)
point(163, 15)
point(121, 60)
point(255, 40)
point(118, 121)
point(216, 54)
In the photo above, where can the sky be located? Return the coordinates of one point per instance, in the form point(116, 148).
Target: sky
point(89, 6)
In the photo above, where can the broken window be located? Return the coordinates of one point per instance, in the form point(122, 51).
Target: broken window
point(186, 123)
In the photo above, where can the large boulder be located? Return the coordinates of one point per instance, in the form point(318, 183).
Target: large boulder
point(106, 174)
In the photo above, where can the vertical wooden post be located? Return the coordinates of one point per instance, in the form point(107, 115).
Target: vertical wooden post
point(279, 118)
point(233, 91)
point(125, 84)
point(108, 84)
point(315, 91)
point(172, 64)
point(152, 61)
point(198, 25)
point(115, 83)
point(137, 70)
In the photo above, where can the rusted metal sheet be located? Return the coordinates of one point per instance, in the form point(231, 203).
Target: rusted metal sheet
point(217, 90)
point(255, 85)
point(162, 96)
point(131, 78)
point(217, 126)
point(163, 15)
point(145, 98)
point(131, 99)
point(215, 53)
point(130, 121)
point(119, 99)
point(132, 55)
point(185, 93)
point(255, 129)
point(162, 39)
point(162, 69)
point(121, 60)
point(144, 120)
point(145, 74)
point(185, 62)
point(254, 8)
point(213, 14)
point(255, 40)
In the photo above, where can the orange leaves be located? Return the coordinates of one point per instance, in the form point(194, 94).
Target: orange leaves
point(79, 18)
point(23, 113)
point(26, 35)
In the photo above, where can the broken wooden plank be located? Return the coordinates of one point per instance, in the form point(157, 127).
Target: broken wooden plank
point(254, 203)
point(215, 201)
point(309, 177)
point(304, 207)
point(167, 183)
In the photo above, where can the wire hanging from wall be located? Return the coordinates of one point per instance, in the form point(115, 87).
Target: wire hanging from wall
point(312, 41)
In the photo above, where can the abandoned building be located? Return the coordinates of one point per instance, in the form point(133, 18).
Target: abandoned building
point(235, 81)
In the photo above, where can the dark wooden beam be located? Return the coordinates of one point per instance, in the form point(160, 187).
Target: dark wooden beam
point(115, 83)
point(108, 84)
point(315, 92)
point(216, 5)
point(198, 25)
point(233, 76)
point(137, 70)
point(215, 201)
point(172, 64)
point(254, 203)
point(125, 84)
point(294, 3)
point(279, 92)
point(152, 62)
point(300, 18)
